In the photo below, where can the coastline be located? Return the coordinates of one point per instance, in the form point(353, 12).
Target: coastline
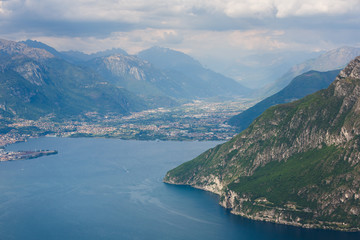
point(273, 215)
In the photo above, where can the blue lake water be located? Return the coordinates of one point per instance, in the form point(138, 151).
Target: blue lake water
point(112, 189)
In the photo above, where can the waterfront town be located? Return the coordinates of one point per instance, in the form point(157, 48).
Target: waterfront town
point(195, 121)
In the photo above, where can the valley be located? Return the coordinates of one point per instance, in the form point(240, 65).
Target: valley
point(197, 121)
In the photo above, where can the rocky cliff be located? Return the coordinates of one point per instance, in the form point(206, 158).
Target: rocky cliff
point(298, 163)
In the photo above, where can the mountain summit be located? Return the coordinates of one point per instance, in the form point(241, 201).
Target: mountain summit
point(297, 164)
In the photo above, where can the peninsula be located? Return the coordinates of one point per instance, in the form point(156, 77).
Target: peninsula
point(22, 155)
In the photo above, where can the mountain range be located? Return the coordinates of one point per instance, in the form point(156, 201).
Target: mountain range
point(149, 74)
point(37, 80)
point(298, 163)
point(35, 83)
point(299, 87)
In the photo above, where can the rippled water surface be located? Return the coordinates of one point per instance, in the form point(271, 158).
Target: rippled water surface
point(112, 189)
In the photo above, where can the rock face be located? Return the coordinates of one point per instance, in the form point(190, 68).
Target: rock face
point(15, 50)
point(298, 163)
point(136, 75)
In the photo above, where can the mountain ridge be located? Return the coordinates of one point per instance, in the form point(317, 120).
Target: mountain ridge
point(299, 87)
point(192, 76)
point(35, 83)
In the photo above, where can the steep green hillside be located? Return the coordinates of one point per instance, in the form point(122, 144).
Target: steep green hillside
point(299, 87)
point(298, 163)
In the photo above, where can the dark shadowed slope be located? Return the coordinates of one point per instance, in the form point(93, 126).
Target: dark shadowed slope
point(299, 87)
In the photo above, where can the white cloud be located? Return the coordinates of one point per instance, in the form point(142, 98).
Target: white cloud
point(258, 39)
point(288, 8)
point(311, 7)
point(249, 8)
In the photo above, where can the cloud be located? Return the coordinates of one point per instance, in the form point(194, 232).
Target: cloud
point(136, 11)
point(93, 18)
point(131, 41)
point(289, 8)
point(258, 39)
point(310, 7)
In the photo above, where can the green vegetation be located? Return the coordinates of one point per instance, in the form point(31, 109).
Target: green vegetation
point(280, 182)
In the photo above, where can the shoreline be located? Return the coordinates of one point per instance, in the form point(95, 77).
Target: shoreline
point(230, 207)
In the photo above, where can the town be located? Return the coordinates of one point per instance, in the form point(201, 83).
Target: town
point(195, 121)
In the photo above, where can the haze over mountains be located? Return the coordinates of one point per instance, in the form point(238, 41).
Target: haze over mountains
point(301, 80)
point(191, 75)
point(331, 60)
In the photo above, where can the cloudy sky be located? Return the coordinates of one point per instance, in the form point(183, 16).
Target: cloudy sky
point(224, 35)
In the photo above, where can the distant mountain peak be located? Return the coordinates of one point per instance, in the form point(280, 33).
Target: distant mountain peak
point(15, 49)
point(166, 58)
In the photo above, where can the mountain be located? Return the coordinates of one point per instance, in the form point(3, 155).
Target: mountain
point(191, 75)
point(160, 75)
point(165, 58)
point(331, 60)
point(72, 56)
point(260, 69)
point(40, 45)
point(77, 57)
point(136, 75)
point(297, 164)
point(35, 83)
point(299, 87)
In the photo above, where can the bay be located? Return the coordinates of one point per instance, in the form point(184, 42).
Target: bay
point(113, 189)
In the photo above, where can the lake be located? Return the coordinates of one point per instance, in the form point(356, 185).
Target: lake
point(113, 189)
